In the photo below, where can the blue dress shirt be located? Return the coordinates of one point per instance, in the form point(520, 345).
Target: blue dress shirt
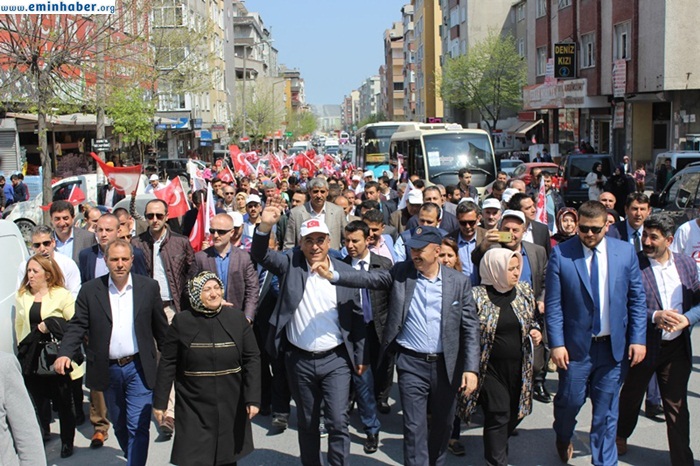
point(421, 330)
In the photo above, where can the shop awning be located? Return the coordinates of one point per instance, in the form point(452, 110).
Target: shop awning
point(522, 131)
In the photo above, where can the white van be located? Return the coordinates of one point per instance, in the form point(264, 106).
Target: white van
point(679, 159)
point(14, 252)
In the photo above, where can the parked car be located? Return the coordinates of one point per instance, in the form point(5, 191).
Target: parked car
point(14, 252)
point(681, 197)
point(509, 165)
point(524, 171)
point(575, 168)
point(168, 168)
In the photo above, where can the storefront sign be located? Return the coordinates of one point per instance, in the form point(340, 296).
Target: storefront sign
point(619, 116)
point(619, 78)
point(565, 60)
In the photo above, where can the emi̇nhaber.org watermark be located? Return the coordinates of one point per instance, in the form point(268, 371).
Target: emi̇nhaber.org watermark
point(58, 7)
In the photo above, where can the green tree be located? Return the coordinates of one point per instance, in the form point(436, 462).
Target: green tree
point(373, 118)
point(132, 117)
point(488, 79)
point(301, 123)
point(264, 107)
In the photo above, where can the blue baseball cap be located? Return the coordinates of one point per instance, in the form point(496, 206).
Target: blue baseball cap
point(423, 236)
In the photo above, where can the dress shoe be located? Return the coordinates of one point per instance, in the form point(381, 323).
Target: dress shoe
point(280, 420)
point(621, 446)
point(541, 394)
point(168, 426)
point(66, 450)
point(98, 439)
point(371, 443)
point(565, 451)
point(383, 407)
point(456, 447)
point(652, 410)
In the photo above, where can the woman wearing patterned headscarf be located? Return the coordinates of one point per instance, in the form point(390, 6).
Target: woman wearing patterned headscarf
point(506, 308)
point(211, 354)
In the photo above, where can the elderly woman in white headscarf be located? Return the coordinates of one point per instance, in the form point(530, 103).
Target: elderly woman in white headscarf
point(211, 354)
point(509, 330)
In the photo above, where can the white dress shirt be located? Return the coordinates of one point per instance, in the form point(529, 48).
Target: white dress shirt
point(527, 236)
point(315, 325)
point(159, 269)
point(70, 270)
point(319, 215)
point(356, 265)
point(109, 197)
point(670, 290)
point(123, 341)
point(603, 286)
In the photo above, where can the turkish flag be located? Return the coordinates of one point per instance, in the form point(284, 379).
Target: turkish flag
point(541, 210)
point(226, 175)
point(124, 179)
point(238, 158)
point(76, 195)
point(174, 196)
point(200, 230)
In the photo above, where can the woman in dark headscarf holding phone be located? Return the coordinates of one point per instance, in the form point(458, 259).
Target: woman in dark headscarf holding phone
point(211, 354)
point(509, 331)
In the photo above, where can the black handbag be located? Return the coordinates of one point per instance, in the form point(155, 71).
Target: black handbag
point(47, 357)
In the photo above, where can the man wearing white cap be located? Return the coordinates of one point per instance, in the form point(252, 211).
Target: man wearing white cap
point(320, 329)
point(490, 213)
point(356, 184)
point(400, 218)
point(154, 184)
point(253, 207)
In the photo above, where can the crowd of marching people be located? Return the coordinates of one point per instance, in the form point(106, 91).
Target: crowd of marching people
point(323, 287)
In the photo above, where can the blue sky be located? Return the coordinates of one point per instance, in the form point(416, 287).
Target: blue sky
point(335, 44)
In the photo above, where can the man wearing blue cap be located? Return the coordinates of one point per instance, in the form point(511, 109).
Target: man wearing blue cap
point(433, 329)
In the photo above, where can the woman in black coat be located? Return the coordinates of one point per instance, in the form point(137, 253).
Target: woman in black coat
point(211, 354)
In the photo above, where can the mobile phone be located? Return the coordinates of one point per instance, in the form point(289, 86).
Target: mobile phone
point(505, 236)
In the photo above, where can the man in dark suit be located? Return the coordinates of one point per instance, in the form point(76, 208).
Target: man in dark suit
point(319, 327)
point(468, 237)
point(535, 232)
point(232, 265)
point(672, 289)
point(108, 196)
point(122, 315)
point(70, 240)
point(372, 193)
point(92, 262)
point(446, 220)
point(371, 388)
point(428, 216)
point(329, 213)
point(630, 230)
point(596, 321)
point(433, 328)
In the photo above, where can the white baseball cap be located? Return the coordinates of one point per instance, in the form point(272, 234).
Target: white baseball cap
point(515, 214)
point(508, 193)
point(237, 218)
point(468, 199)
point(313, 225)
point(154, 177)
point(415, 196)
point(253, 198)
point(491, 203)
point(368, 173)
point(356, 178)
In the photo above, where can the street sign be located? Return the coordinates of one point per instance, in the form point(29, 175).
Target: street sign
point(288, 134)
point(565, 60)
point(101, 145)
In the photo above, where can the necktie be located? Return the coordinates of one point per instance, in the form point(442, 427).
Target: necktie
point(595, 289)
point(366, 303)
point(637, 241)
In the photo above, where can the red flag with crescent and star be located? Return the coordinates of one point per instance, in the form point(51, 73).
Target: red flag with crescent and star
point(541, 211)
point(174, 196)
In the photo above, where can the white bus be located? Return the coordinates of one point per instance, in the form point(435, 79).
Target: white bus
point(436, 153)
point(372, 146)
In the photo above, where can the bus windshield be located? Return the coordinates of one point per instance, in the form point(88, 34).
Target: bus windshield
point(450, 152)
point(376, 144)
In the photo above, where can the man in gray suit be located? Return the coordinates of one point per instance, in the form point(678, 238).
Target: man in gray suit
point(319, 328)
point(433, 327)
point(70, 240)
point(330, 214)
point(232, 265)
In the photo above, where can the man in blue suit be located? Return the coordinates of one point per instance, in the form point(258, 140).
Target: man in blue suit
point(596, 320)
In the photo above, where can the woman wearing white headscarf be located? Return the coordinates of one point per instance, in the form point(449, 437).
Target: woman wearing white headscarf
point(506, 308)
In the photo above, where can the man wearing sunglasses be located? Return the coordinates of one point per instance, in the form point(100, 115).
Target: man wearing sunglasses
point(468, 237)
point(228, 202)
point(44, 244)
point(597, 325)
point(169, 259)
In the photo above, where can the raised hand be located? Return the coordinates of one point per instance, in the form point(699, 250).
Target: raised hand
point(273, 211)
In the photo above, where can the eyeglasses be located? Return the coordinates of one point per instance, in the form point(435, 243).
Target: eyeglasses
point(151, 216)
point(46, 244)
point(215, 231)
point(464, 223)
point(229, 194)
point(585, 229)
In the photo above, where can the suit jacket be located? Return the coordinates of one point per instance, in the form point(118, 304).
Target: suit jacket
point(88, 259)
point(618, 230)
point(569, 302)
point(448, 222)
point(93, 316)
point(691, 297)
point(334, 219)
point(459, 323)
point(450, 208)
point(102, 193)
point(385, 208)
point(292, 269)
point(242, 286)
point(81, 239)
point(378, 298)
point(540, 236)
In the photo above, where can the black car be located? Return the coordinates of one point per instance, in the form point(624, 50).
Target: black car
point(681, 196)
point(576, 167)
point(169, 168)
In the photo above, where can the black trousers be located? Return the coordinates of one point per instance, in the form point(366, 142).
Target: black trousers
point(58, 389)
point(382, 370)
point(672, 367)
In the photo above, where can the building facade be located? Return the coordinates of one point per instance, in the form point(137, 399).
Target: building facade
point(428, 49)
point(409, 67)
point(393, 91)
point(369, 96)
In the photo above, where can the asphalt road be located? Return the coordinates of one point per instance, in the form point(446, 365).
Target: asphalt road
point(534, 444)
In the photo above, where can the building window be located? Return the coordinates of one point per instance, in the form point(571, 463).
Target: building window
point(521, 47)
point(169, 14)
point(587, 51)
point(541, 60)
point(564, 3)
point(622, 44)
point(398, 86)
point(520, 12)
point(541, 8)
